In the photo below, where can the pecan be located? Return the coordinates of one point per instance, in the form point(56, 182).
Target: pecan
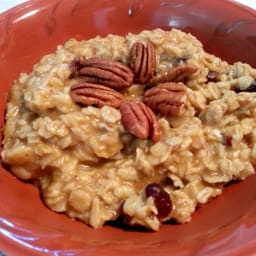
point(140, 120)
point(95, 94)
point(167, 98)
point(106, 72)
point(177, 74)
point(142, 61)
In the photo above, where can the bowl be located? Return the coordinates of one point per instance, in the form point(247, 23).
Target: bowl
point(225, 226)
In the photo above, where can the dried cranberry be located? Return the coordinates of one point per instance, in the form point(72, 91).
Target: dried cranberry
point(228, 140)
point(75, 65)
point(161, 199)
point(250, 88)
point(213, 76)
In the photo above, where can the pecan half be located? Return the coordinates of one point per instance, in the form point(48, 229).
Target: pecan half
point(106, 72)
point(167, 98)
point(94, 94)
point(140, 120)
point(142, 61)
point(177, 74)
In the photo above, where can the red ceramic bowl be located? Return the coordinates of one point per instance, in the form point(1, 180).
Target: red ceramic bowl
point(225, 226)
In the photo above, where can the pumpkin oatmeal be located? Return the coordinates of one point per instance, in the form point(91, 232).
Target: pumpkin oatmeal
point(146, 127)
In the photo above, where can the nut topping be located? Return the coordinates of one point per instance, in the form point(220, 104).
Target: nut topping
point(106, 72)
point(138, 119)
point(94, 94)
point(167, 98)
point(176, 74)
point(142, 61)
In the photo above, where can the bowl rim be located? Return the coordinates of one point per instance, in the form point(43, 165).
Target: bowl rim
point(24, 7)
point(29, 3)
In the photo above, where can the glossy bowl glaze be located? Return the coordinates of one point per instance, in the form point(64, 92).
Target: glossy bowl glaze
point(225, 226)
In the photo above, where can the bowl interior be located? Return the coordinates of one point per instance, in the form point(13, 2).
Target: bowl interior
point(226, 224)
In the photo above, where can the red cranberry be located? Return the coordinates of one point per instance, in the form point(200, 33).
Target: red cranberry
point(161, 199)
point(75, 65)
point(213, 76)
point(251, 88)
point(229, 140)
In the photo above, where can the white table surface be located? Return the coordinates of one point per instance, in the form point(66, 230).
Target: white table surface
point(6, 4)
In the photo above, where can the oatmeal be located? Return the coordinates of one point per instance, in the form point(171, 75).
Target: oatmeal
point(147, 127)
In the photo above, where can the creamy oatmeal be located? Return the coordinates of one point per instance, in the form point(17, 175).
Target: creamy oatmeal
point(147, 127)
